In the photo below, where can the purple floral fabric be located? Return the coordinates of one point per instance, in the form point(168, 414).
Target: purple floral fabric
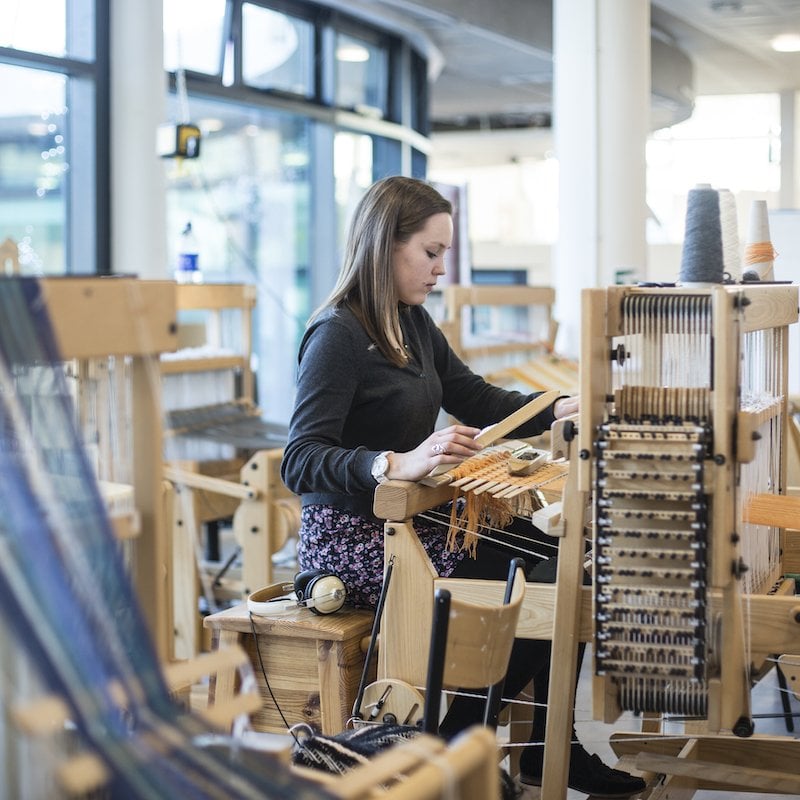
point(351, 547)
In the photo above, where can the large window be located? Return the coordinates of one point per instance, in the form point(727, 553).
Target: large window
point(730, 142)
point(248, 199)
point(298, 116)
point(362, 74)
point(54, 99)
point(277, 51)
point(194, 35)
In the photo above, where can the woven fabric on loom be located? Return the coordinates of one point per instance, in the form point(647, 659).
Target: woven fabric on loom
point(492, 495)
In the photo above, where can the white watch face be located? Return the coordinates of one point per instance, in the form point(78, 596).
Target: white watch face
point(379, 466)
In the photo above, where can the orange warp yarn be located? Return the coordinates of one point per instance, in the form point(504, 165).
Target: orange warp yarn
point(478, 510)
point(759, 253)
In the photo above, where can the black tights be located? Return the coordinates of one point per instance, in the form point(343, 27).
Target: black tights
point(530, 658)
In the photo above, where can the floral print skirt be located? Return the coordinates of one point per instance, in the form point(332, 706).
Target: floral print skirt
point(351, 547)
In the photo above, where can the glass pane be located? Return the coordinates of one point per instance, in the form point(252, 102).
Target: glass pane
point(34, 166)
point(743, 157)
point(277, 51)
point(193, 35)
point(35, 25)
point(352, 170)
point(248, 199)
point(361, 75)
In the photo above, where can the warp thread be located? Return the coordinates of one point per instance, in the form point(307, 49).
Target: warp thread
point(477, 510)
point(701, 259)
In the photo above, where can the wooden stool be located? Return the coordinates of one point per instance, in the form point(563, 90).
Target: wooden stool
point(313, 664)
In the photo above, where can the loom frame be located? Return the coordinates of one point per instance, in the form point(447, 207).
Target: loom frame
point(560, 612)
point(770, 619)
point(564, 612)
point(95, 318)
point(247, 488)
point(546, 370)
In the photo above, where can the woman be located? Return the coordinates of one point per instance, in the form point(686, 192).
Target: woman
point(374, 373)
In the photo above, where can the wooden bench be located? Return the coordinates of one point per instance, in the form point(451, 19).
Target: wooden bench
point(313, 664)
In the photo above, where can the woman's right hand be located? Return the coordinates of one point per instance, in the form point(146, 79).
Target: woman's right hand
point(447, 446)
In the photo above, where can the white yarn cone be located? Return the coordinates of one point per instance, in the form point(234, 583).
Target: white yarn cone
point(729, 223)
point(759, 254)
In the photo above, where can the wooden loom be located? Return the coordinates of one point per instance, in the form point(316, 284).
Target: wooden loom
point(505, 356)
point(704, 391)
point(546, 608)
point(75, 614)
point(245, 487)
point(683, 415)
point(97, 319)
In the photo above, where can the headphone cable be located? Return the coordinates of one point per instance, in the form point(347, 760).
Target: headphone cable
point(266, 681)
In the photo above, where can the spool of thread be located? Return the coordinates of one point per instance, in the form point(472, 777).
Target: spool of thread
point(729, 225)
point(759, 254)
point(701, 259)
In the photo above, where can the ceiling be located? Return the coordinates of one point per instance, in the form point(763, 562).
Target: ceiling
point(493, 66)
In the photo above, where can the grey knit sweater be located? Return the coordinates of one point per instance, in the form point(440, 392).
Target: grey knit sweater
point(352, 403)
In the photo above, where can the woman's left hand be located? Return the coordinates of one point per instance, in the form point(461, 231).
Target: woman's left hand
point(448, 446)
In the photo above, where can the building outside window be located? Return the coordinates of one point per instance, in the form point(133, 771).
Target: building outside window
point(53, 167)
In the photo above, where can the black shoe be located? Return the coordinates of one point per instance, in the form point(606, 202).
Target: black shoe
point(587, 774)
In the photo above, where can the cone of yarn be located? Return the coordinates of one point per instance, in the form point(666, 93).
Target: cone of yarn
point(701, 259)
point(759, 254)
point(729, 224)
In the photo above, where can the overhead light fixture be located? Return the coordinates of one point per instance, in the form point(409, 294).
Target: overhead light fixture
point(786, 43)
point(354, 53)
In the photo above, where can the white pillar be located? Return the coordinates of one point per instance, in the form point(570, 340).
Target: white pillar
point(138, 107)
point(789, 165)
point(601, 116)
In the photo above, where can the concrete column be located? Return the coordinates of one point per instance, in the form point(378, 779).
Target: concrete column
point(601, 115)
point(138, 107)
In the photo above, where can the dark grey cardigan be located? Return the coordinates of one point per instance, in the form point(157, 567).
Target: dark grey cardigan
point(352, 403)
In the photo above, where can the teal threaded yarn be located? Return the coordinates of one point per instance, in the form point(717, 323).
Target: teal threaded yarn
point(702, 256)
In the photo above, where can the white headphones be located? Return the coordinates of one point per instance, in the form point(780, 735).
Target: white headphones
point(272, 601)
point(315, 589)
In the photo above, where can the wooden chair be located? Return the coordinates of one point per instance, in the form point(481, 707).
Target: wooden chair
point(471, 646)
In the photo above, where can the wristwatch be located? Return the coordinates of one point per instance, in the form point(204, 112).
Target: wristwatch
point(380, 465)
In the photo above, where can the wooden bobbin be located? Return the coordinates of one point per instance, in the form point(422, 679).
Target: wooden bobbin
point(399, 702)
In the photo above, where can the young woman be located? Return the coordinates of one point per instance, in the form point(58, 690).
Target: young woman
point(374, 373)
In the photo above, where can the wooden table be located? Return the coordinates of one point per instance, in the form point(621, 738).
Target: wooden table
point(313, 664)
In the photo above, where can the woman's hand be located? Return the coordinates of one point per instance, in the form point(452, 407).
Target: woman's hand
point(566, 406)
point(448, 446)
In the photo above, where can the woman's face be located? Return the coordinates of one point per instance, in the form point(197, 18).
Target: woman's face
point(420, 261)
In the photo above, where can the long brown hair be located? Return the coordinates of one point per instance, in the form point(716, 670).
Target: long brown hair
point(392, 210)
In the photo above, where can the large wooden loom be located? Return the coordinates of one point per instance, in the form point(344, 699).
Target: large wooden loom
point(77, 618)
point(706, 366)
point(126, 322)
